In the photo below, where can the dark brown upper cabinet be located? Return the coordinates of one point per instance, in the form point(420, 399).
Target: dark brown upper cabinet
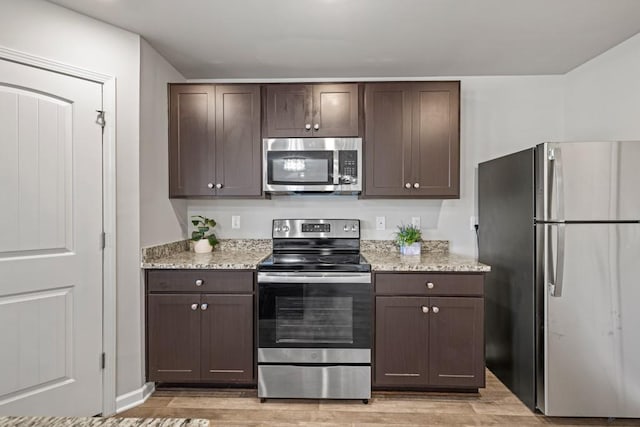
point(214, 140)
point(412, 139)
point(311, 110)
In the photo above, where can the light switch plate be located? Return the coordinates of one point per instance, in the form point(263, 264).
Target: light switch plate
point(235, 221)
point(380, 223)
point(415, 221)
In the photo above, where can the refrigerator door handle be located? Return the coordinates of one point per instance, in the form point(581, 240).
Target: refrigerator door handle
point(555, 284)
point(555, 160)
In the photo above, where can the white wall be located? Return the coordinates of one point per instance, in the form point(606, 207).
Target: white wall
point(603, 95)
point(40, 28)
point(161, 220)
point(499, 115)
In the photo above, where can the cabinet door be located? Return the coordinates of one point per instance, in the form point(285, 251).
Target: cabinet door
point(335, 110)
point(287, 111)
point(435, 143)
point(227, 338)
point(173, 328)
point(191, 140)
point(401, 346)
point(238, 166)
point(456, 342)
point(387, 148)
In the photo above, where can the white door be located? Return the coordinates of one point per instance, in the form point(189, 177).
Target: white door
point(50, 243)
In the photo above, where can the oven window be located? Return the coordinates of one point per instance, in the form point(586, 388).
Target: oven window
point(300, 167)
point(314, 320)
point(328, 315)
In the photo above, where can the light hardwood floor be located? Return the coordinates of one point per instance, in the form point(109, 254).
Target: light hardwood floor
point(493, 406)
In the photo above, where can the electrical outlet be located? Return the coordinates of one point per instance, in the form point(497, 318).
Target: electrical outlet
point(472, 223)
point(415, 221)
point(380, 223)
point(235, 221)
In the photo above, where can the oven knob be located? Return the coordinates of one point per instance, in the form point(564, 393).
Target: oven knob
point(346, 227)
point(354, 228)
point(285, 228)
point(276, 229)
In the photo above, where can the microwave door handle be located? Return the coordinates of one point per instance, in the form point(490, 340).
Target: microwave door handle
point(336, 167)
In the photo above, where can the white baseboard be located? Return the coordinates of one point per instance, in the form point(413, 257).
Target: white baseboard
point(134, 398)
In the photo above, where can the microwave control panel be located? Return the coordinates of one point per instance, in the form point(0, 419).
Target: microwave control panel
point(348, 164)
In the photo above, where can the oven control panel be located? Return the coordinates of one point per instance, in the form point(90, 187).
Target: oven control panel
point(316, 228)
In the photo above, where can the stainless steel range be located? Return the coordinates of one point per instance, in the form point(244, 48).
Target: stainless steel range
point(314, 312)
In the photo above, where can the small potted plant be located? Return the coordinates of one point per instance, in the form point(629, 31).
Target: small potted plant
point(408, 238)
point(205, 239)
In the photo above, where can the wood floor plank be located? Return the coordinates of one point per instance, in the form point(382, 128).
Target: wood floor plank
point(494, 405)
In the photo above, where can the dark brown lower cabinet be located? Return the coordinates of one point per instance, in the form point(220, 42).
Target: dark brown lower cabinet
point(428, 341)
point(227, 338)
point(173, 332)
point(193, 336)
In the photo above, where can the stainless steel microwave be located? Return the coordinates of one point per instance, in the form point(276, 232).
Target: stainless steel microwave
point(300, 165)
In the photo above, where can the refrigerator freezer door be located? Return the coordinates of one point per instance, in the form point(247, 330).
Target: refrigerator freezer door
point(588, 181)
point(591, 345)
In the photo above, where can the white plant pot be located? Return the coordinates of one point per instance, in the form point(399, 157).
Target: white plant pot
point(412, 249)
point(202, 246)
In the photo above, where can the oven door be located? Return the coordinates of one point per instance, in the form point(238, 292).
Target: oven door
point(314, 310)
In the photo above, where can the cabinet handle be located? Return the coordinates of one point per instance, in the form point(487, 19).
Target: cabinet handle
point(204, 306)
point(430, 285)
point(199, 282)
point(219, 186)
point(194, 306)
point(210, 185)
point(407, 185)
point(316, 126)
point(425, 309)
point(435, 309)
point(307, 126)
point(416, 185)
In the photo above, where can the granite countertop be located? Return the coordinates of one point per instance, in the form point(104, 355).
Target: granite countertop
point(383, 255)
point(229, 255)
point(245, 254)
point(427, 261)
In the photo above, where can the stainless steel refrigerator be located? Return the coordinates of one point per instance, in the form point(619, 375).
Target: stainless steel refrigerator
point(560, 226)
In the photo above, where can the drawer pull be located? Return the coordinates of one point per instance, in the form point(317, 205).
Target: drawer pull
point(401, 375)
point(204, 306)
point(430, 285)
point(199, 282)
point(226, 371)
point(435, 309)
point(425, 309)
point(194, 307)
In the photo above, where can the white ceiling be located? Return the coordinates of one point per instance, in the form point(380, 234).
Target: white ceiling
point(371, 38)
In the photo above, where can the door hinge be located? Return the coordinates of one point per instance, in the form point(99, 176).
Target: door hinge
point(103, 360)
point(100, 119)
point(103, 240)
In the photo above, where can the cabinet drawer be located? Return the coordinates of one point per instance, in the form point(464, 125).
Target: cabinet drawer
point(418, 284)
point(200, 281)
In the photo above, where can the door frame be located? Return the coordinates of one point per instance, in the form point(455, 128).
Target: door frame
point(108, 208)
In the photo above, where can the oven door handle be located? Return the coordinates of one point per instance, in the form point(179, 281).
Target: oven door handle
point(291, 277)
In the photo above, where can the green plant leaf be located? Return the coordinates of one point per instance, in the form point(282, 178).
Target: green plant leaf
point(203, 229)
point(212, 240)
point(211, 222)
point(197, 235)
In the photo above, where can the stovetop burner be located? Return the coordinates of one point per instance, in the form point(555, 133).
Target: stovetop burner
point(315, 245)
point(314, 262)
